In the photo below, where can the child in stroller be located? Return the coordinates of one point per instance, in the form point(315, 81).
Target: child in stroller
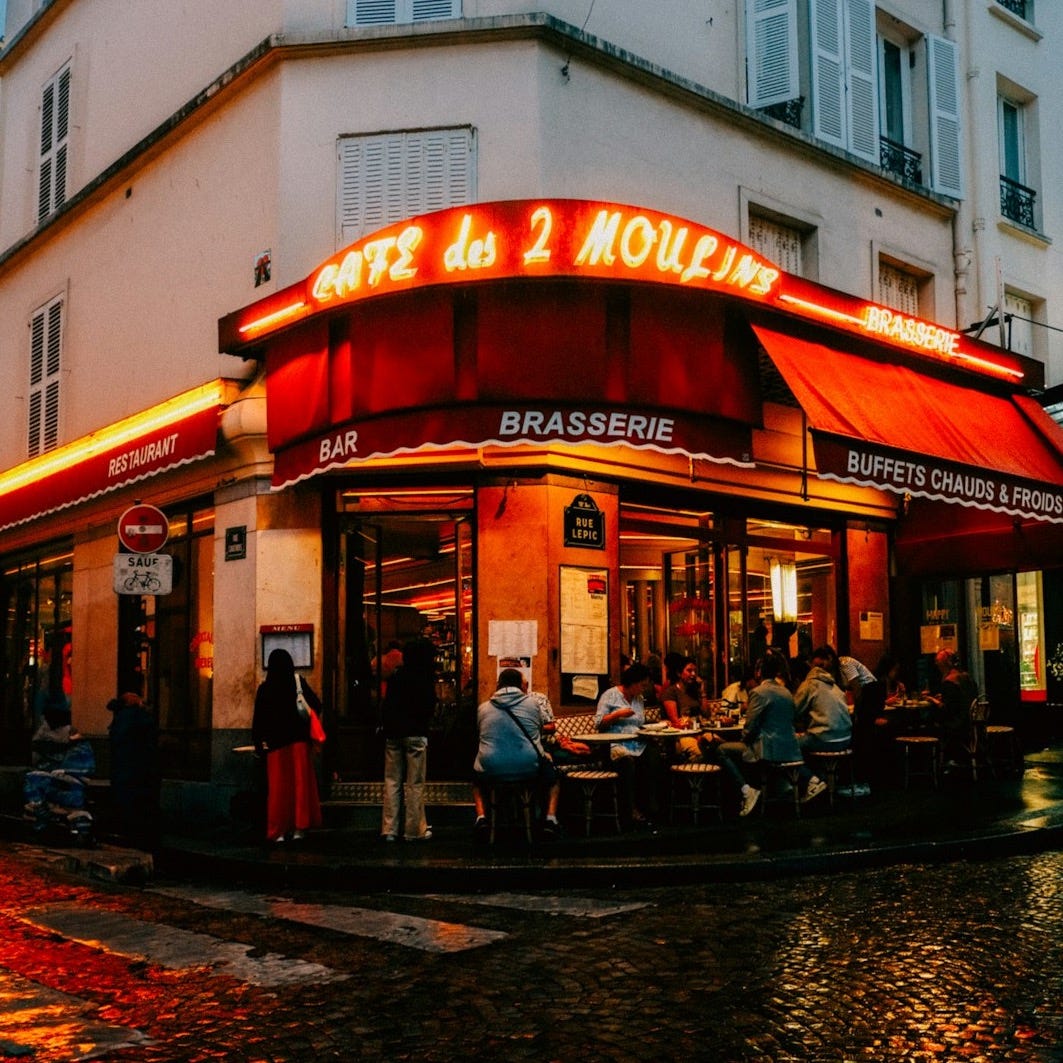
point(54, 792)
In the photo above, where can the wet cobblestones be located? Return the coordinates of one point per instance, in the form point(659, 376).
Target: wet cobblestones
point(956, 962)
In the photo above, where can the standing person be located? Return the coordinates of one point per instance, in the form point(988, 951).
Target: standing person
point(408, 706)
point(282, 733)
point(134, 769)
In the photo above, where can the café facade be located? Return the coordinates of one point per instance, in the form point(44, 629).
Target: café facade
point(556, 434)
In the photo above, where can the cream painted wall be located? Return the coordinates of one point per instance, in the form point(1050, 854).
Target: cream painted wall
point(94, 649)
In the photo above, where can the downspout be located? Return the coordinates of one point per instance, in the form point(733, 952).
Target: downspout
point(968, 221)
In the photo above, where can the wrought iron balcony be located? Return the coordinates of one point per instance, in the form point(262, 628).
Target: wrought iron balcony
point(900, 160)
point(789, 111)
point(1016, 202)
point(1016, 7)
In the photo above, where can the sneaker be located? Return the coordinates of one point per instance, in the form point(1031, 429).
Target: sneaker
point(297, 835)
point(426, 837)
point(750, 797)
point(481, 829)
point(551, 828)
point(389, 837)
point(815, 788)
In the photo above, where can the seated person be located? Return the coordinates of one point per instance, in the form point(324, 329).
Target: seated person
point(769, 733)
point(53, 738)
point(511, 747)
point(736, 694)
point(822, 711)
point(560, 748)
point(621, 709)
point(952, 707)
point(889, 675)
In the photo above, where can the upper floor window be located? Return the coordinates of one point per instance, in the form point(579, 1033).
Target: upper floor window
point(1018, 198)
point(898, 288)
point(860, 80)
point(55, 131)
point(1022, 8)
point(777, 242)
point(46, 348)
point(1019, 321)
point(386, 177)
point(392, 12)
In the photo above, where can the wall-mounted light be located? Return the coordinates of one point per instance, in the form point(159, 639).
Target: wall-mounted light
point(783, 591)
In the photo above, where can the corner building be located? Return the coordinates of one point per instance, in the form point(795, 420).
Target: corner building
point(537, 329)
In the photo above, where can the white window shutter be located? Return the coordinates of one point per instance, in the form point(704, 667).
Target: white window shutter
point(426, 10)
point(46, 345)
point(946, 166)
point(771, 52)
point(862, 76)
point(372, 13)
point(55, 131)
point(828, 72)
point(387, 177)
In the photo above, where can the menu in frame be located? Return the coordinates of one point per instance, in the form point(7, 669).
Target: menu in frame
point(584, 594)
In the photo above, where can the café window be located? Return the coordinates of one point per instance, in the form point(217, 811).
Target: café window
point(407, 559)
point(165, 647)
point(38, 595)
point(898, 288)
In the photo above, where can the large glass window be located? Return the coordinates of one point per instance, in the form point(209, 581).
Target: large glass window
point(407, 559)
point(165, 647)
point(37, 650)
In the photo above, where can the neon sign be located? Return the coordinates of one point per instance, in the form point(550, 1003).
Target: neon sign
point(577, 238)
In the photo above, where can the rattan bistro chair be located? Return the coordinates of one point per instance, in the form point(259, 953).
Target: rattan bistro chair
point(695, 776)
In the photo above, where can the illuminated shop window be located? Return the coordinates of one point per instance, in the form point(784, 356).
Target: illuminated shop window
point(55, 132)
point(46, 350)
point(388, 177)
point(391, 12)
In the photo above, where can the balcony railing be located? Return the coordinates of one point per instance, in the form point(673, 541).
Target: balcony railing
point(1016, 7)
point(788, 112)
point(902, 161)
point(1016, 202)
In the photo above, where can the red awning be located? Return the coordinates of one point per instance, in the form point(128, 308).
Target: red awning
point(60, 479)
point(892, 427)
point(414, 431)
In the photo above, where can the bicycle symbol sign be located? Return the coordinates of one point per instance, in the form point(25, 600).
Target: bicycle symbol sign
point(143, 573)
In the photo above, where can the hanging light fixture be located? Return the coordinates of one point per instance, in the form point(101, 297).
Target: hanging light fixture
point(783, 590)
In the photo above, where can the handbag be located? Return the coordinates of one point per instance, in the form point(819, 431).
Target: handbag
point(547, 773)
point(317, 729)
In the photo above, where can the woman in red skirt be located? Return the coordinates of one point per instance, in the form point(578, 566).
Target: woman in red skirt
point(281, 732)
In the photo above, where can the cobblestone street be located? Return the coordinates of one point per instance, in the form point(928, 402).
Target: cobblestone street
point(948, 962)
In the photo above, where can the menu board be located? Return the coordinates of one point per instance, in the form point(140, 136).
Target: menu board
point(584, 599)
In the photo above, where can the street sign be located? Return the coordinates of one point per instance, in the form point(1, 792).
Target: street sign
point(143, 528)
point(143, 574)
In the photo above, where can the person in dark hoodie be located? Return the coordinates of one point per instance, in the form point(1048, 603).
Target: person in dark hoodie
point(821, 709)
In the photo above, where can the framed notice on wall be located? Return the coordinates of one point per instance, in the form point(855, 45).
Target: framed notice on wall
point(584, 603)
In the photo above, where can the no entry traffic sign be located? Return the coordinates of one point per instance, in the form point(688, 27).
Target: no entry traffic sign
point(143, 528)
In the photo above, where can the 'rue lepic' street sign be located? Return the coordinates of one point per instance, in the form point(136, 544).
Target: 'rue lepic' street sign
point(143, 573)
point(584, 523)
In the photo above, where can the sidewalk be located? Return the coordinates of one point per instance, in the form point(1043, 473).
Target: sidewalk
point(992, 817)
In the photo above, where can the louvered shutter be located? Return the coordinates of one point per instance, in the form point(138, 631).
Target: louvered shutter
point(55, 130)
point(771, 52)
point(828, 72)
point(46, 341)
point(372, 13)
point(394, 12)
point(946, 170)
point(862, 78)
point(388, 177)
point(426, 10)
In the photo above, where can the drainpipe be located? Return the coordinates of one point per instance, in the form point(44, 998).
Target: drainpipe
point(969, 221)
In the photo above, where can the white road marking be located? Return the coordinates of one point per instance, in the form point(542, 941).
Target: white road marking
point(176, 949)
point(428, 935)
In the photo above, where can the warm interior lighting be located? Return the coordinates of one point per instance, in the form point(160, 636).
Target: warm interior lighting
point(783, 591)
point(113, 436)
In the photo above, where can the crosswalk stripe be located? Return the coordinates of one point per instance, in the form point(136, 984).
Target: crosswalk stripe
point(173, 948)
point(428, 935)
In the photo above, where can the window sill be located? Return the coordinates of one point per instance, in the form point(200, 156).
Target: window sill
point(1027, 29)
point(1031, 236)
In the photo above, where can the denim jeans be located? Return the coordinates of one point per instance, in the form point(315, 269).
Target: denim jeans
point(405, 760)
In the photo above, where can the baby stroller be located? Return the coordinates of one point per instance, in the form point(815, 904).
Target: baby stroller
point(55, 793)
